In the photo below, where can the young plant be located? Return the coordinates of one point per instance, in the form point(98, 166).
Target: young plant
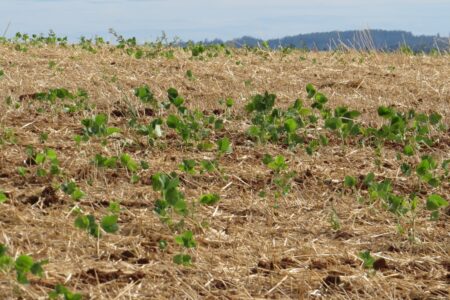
point(282, 176)
point(224, 146)
point(46, 160)
point(186, 240)
point(70, 188)
point(209, 199)
point(108, 223)
point(23, 265)
point(434, 203)
point(3, 197)
point(97, 126)
point(171, 197)
point(145, 95)
point(61, 290)
point(368, 260)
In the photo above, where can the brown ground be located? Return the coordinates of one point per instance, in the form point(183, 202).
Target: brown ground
point(250, 249)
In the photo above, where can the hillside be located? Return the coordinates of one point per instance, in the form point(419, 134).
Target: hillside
point(154, 172)
point(386, 40)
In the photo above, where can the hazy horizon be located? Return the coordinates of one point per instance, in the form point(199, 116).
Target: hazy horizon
point(201, 19)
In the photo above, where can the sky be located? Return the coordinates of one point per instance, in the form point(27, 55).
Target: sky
point(208, 19)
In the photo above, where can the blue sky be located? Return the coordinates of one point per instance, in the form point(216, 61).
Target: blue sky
point(200, 19)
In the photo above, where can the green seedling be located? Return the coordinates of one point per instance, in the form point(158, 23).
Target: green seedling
point(105, 162)
point(186, 240)
point(145, 95)
point(208, 166)
point(61, 290)
point(224, 146)
point(71, 189)
point(96, 126)
point(23, 265)
point(209, 199)
point(282, 176)
point(108, 223)
point(153, 130)
point(87, 223)
point(129, 163)
point(350, 182)
point(3, 197)
point(434, 203)
point(182, 259)
point(188, 166)
point(47, 161)
point(171, 197)
point(425, 170)
point(368, 260)
point(189, 75)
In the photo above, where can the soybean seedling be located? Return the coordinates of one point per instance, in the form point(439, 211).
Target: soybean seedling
point(23, 265)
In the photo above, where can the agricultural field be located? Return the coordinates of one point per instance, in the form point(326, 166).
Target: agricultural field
point(141, 172)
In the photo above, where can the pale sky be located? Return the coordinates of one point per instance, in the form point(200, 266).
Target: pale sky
point(226, 19)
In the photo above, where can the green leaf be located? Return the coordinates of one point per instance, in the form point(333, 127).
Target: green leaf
point(6, 263)
point(208, 166)
point(320, 98)
point(267, 159)
point(114, 207)
point(101, 119)
point(129, 162)
point(310, 90)
point(112, 130)
point(408, 150)
point(41, 172)
point(51, 155)
point(435, 118)
point(182, 259)
point(350, 181)
point(68, 187)
point(186, 240)
point(109, 223)
point(435, 202)
point(82, 222)
point(369, 179)
point(290, 125)
point(188, 166)
point(406, 169)
point(368, 260)
point(23, 265)
point(278, 163)
point(3, 250)
point(173, 121)
point(224, 146)
point(209, 199)
point(172, 93)
point(261, 103)
point(36, 268)
point(333, 123)
point(229, 102)
point(385, 112)
point(144, 94)
point(3, 197)
point(62, 290)
point(40, 158)
point(180, 207)
point(21, 171)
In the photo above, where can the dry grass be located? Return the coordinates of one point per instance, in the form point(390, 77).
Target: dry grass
point(250, 249)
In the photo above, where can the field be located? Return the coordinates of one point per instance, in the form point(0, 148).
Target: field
point(155, 172)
